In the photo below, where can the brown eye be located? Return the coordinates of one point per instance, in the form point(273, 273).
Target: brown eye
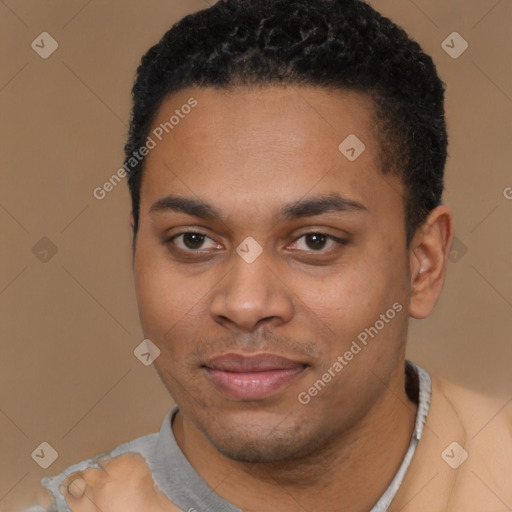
point(193, 240)
point(190, 241)
point(316, 242)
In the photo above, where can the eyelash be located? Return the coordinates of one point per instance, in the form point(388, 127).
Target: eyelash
point(338, 241)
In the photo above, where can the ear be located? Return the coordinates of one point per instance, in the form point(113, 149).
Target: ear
point(429, 252)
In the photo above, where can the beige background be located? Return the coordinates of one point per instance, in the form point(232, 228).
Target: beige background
point(69, 325)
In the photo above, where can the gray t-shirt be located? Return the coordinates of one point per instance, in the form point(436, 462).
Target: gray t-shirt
point(180, 482)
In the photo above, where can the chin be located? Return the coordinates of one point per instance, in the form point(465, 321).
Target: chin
point(264, 443)
point(262, 450)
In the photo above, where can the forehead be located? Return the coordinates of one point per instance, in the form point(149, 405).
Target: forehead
point(273, 142)
point(266, 119)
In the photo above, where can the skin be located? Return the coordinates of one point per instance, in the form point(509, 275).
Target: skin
point(124, 485)
point(247, 153)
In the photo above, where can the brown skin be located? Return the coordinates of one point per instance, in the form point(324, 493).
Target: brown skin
point(125, 484)
point(247, 153)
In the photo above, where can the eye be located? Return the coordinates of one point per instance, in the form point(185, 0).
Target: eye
point(315, 242)
point(191, 241)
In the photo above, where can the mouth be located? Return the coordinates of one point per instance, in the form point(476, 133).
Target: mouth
point(252, 377)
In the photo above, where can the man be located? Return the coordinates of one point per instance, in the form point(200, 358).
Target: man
point(285, 165)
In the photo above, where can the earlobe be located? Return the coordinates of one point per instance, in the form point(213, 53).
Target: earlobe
point(429, 256)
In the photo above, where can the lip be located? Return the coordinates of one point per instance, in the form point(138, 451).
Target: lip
point(252, 377)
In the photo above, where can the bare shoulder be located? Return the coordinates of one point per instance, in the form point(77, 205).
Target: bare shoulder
point(123, 484)
point(475, 406)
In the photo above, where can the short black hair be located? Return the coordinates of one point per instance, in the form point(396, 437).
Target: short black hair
point(334, 44)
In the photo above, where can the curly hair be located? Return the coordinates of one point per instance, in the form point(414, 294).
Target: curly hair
point(334, 44)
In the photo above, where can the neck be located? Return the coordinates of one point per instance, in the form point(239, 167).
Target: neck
point(354, 469)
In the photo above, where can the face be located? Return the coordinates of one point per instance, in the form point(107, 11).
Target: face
point(271, 270)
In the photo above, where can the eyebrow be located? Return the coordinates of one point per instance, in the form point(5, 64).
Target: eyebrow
point(307, 207)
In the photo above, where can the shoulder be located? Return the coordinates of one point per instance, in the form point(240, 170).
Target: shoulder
point(56, 485)
point(464, 457)
point(476, 410)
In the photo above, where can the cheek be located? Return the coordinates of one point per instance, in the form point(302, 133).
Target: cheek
point(164, 297)
point(354, 297)
point(173, 307)
point(354, 291)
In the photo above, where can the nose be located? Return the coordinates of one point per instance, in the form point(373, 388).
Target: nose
point(251, 294)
